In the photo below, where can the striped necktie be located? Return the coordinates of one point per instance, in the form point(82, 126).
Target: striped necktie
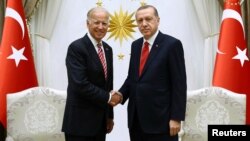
point(102, 59)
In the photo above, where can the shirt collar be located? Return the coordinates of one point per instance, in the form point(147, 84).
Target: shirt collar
point(152, 39)
point(93, 41)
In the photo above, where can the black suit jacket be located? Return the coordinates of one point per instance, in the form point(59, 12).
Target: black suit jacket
point(88, 92)
point(159, 94)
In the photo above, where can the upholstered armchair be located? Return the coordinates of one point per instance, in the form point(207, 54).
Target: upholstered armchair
point(211, 105)
point(35, 114)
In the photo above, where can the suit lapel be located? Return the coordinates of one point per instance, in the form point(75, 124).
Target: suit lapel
point(93, 53)
point(155, 48)
point(137, 53)
point(108, 56)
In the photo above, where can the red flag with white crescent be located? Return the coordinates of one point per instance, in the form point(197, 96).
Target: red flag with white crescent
point(17, 70)
point(232, 66)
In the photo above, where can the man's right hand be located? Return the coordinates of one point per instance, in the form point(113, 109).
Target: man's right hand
point(116, 98)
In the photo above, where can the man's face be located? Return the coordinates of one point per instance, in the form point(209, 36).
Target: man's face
point(147, 22)
point(98, 25)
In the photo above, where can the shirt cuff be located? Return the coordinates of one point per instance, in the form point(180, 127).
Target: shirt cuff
point(110, 96)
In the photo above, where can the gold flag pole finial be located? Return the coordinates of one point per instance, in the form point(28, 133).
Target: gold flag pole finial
point(99, 3)
point(143, 2)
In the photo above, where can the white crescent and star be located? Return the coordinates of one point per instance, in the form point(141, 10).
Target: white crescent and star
point(229, 13)
point(16, 55)
point(232, 14)
point(15, 15)
point(241, 55)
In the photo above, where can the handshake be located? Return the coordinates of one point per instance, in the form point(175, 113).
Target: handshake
point(116, 98)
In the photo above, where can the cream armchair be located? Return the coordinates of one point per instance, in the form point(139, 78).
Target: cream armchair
point(35, 114)
point(212, 105)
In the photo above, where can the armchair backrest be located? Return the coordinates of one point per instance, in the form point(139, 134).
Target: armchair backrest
point(36, 114)
point(211, 105)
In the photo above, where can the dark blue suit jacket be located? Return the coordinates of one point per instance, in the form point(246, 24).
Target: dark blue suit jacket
point(88, 91)
point(159, 94)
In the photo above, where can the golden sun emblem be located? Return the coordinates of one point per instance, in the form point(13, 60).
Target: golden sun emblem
point(121, 25)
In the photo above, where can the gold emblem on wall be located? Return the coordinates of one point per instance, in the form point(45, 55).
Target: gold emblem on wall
point(121, 26)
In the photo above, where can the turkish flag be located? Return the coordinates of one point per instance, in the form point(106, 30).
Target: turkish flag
point(232, 67)
point(17, 70)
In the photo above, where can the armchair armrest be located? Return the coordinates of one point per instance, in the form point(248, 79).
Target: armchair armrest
point(9, 138)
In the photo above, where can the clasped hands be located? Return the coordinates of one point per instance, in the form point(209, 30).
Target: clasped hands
point(116, 98)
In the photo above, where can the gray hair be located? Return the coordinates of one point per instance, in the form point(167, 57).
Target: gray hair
point(92, 10)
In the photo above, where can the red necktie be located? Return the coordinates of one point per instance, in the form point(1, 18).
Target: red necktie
point(144, 56)
point(102, 59)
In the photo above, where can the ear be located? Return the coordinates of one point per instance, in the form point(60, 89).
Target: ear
point(88, 23)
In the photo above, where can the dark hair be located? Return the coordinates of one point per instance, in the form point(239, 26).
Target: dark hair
point(148, 6)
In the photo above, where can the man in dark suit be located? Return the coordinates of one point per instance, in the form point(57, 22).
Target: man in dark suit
point(88, 112)
point(156, 82)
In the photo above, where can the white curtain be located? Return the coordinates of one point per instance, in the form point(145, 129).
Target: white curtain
point(209, 14)
point(30, 7)
point(42, 26)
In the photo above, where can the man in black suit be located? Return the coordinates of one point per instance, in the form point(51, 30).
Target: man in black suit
point(156, 82)
point(88, 112)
